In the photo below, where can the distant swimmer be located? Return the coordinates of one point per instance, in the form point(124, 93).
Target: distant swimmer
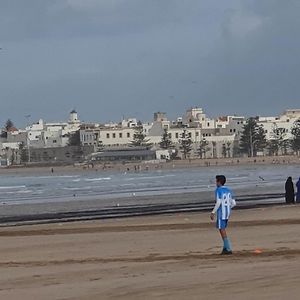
point(222, 210)
point(261, 178)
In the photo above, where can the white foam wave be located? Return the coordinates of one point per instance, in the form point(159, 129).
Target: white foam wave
point(98, 179)
point(149, 177)
point(12, 187)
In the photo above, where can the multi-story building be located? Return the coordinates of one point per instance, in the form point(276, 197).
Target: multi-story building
point(199, 128)
point(228, 125)
point(222, 134)
point(285, 121)
point(48, 135)
point(195, 117)
point(101, 135)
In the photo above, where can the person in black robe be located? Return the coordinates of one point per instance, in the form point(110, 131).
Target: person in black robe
point(289, 191)
point(298, 191)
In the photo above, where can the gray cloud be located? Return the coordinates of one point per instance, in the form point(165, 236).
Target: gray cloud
point(110, 58)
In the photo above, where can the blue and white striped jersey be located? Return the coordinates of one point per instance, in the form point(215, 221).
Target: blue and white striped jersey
point(224, 203)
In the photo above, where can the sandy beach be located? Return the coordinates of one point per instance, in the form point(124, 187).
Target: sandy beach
point(37, 169)
point(157, 257)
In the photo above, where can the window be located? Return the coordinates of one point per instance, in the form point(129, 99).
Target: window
point(207, 124)
point(120, 135)
point(170, 135)
point(54, 141)
point(266, 131)
point(234, 130)
point(107, 135)
point(114, 135)
point(230, 130)
point(128, 134)
point(197, 133)
point(190, 134)
point(176, 135)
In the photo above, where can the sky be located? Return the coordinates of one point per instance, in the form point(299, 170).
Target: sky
point(110, 59)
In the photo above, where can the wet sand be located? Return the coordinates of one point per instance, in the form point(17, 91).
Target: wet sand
point(157, 257)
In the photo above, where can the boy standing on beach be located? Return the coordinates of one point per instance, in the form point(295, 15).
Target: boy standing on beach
point(222, 210)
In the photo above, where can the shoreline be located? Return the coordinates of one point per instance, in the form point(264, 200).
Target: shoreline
point(118, 209)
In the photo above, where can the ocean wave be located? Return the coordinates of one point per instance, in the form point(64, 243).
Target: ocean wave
point(10, 187)
point(19, 192)
point(78, 188)
point(49, 176)
point(149, 177)
point(97, 179)
point(35, 185)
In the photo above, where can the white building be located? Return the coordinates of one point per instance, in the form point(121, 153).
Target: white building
point(97, 135)
point(285, 120)
point(231, 125)
point(129, 123)
point(195, 117)
point(74, 118)
point(48, 135)
point(34, 131)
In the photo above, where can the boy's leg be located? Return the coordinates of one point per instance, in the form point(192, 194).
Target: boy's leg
point(226, 242)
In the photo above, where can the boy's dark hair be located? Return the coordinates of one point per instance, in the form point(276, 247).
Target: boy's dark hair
point(221, 179)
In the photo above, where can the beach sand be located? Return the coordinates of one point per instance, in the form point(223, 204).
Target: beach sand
point(157, 257)
point(37, 169)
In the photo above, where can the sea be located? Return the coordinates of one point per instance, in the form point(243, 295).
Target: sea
point(52, 187)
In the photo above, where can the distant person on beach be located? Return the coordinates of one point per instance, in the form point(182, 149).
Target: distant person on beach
point(298, 191)
point(222, 210)
point(289, 191)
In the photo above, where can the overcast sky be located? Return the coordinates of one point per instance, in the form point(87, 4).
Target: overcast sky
point(114, 58)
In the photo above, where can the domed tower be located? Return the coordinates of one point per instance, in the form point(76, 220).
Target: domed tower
point(74, 117)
